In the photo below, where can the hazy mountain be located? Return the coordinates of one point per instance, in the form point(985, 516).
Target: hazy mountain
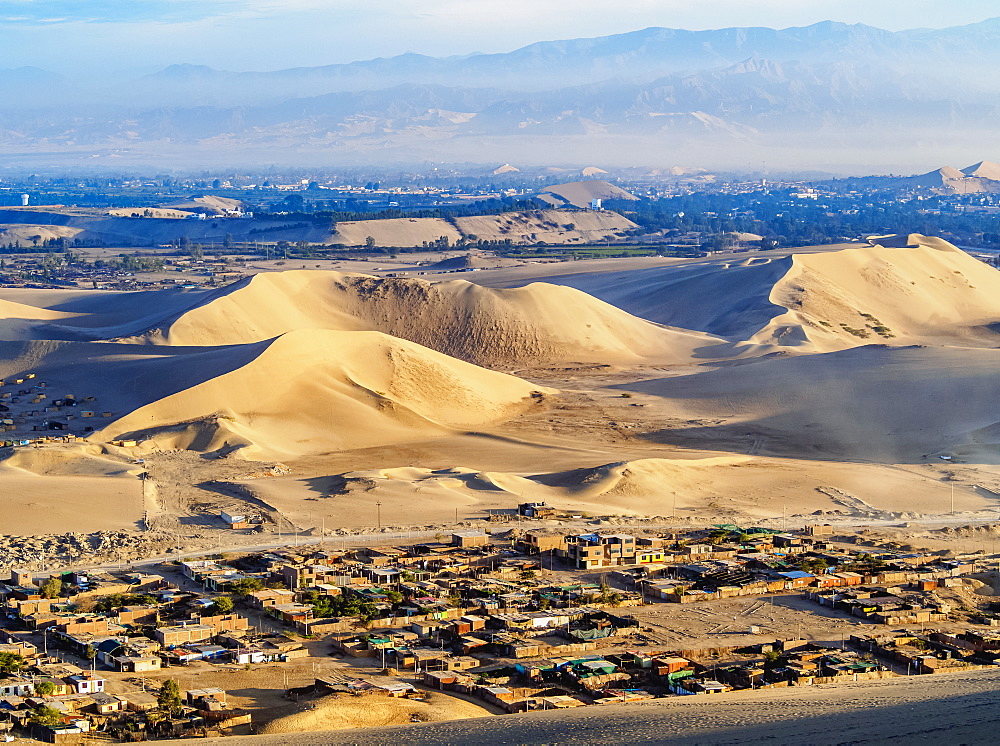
point(830, 93)
point(636, 57)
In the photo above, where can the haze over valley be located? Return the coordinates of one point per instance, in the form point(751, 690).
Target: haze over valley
point(843, 98)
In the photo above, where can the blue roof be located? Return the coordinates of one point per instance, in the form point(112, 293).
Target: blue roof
point(796, 574)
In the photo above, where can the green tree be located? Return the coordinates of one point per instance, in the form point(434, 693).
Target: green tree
point(48, 717)
point(222, 605)
point(45, 688)
point(394, 597)
point(10, 662)
point(169, 697)
point(370, 243)
point(246, 586)
point(51, 588)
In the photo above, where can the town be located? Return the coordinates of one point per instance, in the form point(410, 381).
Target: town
point(519, 618)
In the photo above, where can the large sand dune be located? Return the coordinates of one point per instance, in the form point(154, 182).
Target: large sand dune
point(779, 366)
point(306, 391)
point(901, 290)
point(538, 324)
point(310, 391)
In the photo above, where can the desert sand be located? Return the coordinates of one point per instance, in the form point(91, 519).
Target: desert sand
point(580, 193)
point(551, 226)
point(856, 385)
point(920, 709)
point(758, 387)
point(344, 713)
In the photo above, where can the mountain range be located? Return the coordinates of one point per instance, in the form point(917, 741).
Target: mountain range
point(830, 95)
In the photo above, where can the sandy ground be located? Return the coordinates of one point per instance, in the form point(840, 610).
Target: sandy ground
point(346, 712)
point(923, 709)
point(759, 406)
point(261, 688)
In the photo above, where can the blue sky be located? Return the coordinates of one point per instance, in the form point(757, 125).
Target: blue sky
point(143, 35)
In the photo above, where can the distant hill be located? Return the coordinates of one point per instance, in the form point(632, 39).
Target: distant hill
point(656, 95)
point(117, 227)
point(581, 193)
point(982, 177)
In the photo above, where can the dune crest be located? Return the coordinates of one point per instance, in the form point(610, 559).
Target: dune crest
point(312, 391)
point(900, 290)
point(639, 486)
point(539, 323)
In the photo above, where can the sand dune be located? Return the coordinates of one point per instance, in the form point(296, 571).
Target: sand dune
point(71, 460)
point(19, 320)
point(874, 403)
point(395, 232)
point(580, 193)
point(337, 713)
point(537, 324)
point(307, 391)
point(313, 391)
point(900, 291)
point(550, 226)
point(913, 290)
point(699, 486)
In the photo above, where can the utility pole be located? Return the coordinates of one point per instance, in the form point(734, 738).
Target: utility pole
point(378, 514)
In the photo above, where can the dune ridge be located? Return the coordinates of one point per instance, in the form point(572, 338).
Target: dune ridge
point(896, 290)
point(539, 323)
point(311, 391)
point(900, 290)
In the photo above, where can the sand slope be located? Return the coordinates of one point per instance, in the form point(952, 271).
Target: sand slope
point(397, 232)
point(902, 290)
point(497, 328)
point(580, 193)
point(550, 226)
point(312, 391)
point(339, 712)
point(873, 403)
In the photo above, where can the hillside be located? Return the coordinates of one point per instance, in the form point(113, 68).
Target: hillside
point(538, 324)
point(398, 232)
point(558, 227)
point(894, 290)
point(671, 95)
point(313, 391)
point(580, 193)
